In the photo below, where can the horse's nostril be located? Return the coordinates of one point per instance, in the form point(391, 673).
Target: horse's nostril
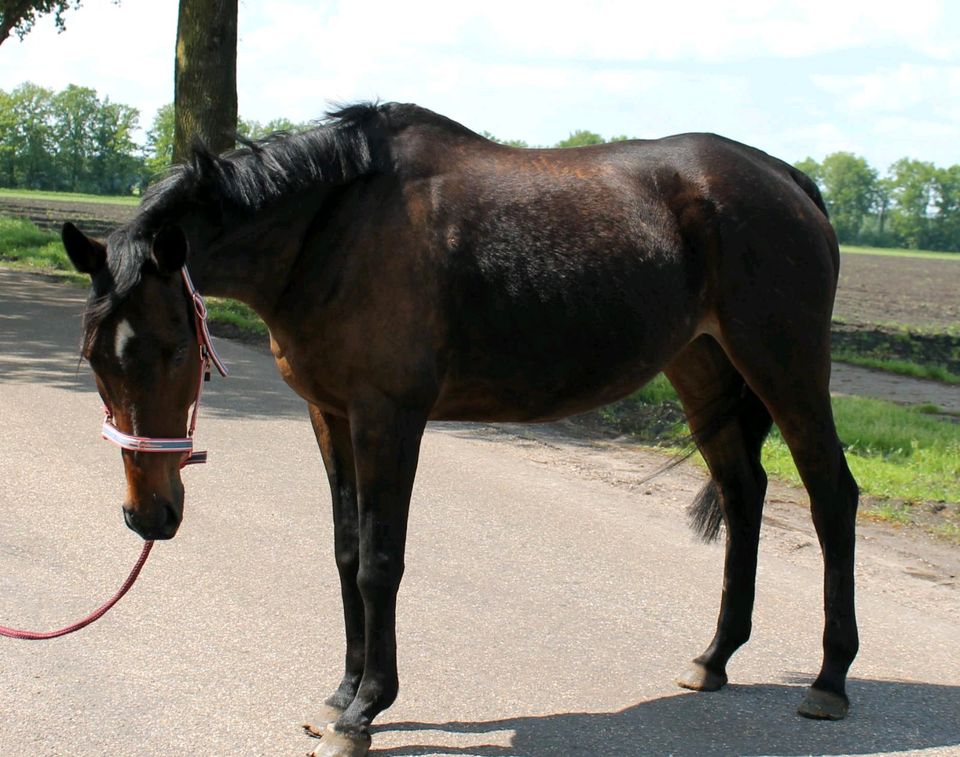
point(172, 518)
point(161, 523)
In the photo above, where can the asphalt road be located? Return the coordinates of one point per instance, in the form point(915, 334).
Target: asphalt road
point(550, 598)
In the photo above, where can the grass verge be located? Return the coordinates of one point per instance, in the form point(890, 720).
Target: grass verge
point(30, 194)
point(24, 246)
point(899, 349)
point(906, 461)
point(899, 252)
point(900, 367)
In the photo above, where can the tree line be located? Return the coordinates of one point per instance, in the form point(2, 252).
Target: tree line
point(74, 141)
point(915, 204)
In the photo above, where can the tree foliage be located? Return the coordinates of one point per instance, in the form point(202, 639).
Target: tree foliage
point(19, 16)
point(159, 147)
point(73, 140)
point(581, 138)
point(69, 140)
point(916, 204)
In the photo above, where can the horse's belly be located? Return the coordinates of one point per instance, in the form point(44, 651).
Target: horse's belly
point(526, 382)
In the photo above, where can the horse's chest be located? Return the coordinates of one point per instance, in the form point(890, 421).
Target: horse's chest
point(301, 374)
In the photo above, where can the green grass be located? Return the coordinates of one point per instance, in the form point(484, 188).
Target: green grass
point(236, 314)
point(894, 452)
point(29, 194)
point(900, 455)
point(899, 252)
point(29, 247)
point(24, 246)
point(900, 367)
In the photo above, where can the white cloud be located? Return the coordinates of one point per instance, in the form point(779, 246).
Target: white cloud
point(536, 70)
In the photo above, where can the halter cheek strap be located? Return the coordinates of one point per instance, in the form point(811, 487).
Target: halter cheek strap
point(208, 357)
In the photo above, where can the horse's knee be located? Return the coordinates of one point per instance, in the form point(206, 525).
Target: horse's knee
point(348, 561)
point(380, 576)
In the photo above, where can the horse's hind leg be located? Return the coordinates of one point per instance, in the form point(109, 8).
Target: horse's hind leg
point(729, 425)
point(333, 436)
point(792, 375)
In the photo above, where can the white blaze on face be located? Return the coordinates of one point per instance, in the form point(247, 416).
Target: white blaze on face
point(122, 337)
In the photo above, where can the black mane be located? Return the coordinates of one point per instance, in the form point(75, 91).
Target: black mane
point(351, 142)
point(348, 144)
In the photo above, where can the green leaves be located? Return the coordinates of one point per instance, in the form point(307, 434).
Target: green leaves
point(68, 140)
point(916, 205)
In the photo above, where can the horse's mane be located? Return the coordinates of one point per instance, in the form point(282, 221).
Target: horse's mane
point(350, 142)
point(340, 148)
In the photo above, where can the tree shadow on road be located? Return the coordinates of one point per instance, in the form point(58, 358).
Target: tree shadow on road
point(760, 719)
point(40, 330)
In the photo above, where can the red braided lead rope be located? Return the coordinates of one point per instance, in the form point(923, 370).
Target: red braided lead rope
point(16, 633)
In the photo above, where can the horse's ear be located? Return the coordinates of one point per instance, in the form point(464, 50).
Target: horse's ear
point(170, 249)
point(87, 255)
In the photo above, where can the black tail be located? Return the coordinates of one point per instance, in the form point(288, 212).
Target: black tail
point(705, 513)
point(809, 186)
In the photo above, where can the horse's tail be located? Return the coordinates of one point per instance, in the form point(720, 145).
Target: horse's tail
point(809, 186)
point(705, 513)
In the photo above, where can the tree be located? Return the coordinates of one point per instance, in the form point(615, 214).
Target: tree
point(74, 110)
point(114, 166)
point(507, 142)
point(257, 130)
point(913, 197)
point(8, 141)
point(580, 138)
point(849, 187)
point(159, 147)
point(945, 231)
point(31, 137)
point(810, 167)
point(205, 76)
point(20, 15)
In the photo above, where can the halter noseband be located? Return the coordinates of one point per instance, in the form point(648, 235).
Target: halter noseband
point(208, 356)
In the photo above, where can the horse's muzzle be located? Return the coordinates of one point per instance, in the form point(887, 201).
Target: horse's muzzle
point(160, 523)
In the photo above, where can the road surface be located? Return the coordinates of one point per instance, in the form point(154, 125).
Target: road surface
point(549, 600)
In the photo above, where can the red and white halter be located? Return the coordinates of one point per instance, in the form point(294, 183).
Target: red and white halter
point(208, 356)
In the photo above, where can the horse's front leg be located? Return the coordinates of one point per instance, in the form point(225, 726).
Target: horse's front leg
point(386, 445)
point(336, 448)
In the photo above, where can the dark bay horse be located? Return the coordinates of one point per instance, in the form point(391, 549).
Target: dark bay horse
point(410, 270)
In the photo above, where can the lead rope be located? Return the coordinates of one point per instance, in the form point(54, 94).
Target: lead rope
point(16, 633)
point(208, 356)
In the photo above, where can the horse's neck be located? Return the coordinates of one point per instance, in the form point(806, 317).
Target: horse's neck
point(251, 260)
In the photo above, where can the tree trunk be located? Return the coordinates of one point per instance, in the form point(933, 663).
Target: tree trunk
point(205, 76)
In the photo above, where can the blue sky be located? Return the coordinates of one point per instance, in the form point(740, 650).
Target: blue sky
point(880, 79)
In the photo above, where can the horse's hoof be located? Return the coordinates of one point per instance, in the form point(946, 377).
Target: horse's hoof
point(698, 678)
point(328, 714)
point(337, 744)
point(824, 705)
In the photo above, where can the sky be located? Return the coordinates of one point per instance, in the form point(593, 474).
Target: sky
point(877, 78)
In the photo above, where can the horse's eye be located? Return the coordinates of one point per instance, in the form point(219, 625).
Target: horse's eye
point(179, 355)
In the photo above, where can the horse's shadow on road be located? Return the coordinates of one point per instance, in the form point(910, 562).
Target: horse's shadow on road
point(886, 716)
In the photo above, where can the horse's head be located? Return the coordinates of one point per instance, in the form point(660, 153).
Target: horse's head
point(140, 339)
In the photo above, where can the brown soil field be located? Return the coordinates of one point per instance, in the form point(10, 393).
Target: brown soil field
point(95, 218)
point(916, 293)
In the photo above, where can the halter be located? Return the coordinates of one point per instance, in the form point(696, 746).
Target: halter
point(208, 356)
